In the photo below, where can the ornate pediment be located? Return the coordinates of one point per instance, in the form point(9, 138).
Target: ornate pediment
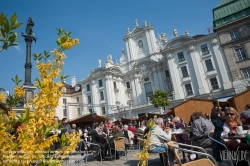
point(98, 71)
point(116, 70)
point(177, 42)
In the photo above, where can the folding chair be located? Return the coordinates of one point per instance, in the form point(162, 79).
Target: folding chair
point(199, 162)
point(210, 136)
point(119, 143)
point(89, 151)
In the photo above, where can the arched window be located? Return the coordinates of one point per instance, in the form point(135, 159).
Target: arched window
point(148, 90)
point(140, 44)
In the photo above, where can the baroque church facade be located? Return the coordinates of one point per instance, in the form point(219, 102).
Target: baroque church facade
point(185, 67)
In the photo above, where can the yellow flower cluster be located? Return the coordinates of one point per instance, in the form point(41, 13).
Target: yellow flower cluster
point(35, 122)
point(70, 43)
point(143, 156)
point(2, 97)
point(19, 91)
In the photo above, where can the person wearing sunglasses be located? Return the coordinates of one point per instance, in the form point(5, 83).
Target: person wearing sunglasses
point(232, 121)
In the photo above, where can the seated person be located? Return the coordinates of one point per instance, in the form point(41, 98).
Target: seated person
point(232, 121)
point(96, 139)
point(183, 138)
point(158, 137)
point(200, 128)
point(128, 135)
point(245, 115)
point(116, 133)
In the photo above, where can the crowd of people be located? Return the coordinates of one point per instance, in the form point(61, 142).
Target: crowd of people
point(222, 122)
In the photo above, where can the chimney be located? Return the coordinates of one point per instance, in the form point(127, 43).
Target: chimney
point(73, 81)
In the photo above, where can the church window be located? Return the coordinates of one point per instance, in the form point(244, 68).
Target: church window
point(128, 85)
point(148, 90)
point(146, 79)
point(140, 44)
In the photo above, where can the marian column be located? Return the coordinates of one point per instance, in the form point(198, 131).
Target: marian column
point(28, 85)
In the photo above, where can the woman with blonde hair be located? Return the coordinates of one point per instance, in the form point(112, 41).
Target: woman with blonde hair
point(232, 121)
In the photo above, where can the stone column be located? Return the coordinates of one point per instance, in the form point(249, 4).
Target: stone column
point(221, 64)
point(178, 94)
point(108, 91)
point(149, 42)
point(95, 97)
point(138, 89)
point(197, 69)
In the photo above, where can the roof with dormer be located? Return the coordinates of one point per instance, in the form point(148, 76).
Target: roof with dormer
point(71, 90)
point(230, 10)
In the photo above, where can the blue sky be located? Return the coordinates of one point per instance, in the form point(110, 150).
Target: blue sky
point(100, 26)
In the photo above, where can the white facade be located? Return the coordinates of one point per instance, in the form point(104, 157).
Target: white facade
point(184, 67)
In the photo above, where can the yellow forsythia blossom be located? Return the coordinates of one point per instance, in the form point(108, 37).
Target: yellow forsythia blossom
point(2, 97)
point(31, 142)
point(19, 91)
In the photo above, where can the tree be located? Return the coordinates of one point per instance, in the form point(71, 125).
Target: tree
point(160, 98)
point(7, 35)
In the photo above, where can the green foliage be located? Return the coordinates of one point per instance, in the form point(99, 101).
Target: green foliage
point(160, 98)
point(7, 36)
point(16, 80)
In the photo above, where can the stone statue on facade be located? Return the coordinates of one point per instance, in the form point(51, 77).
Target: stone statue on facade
point(175, 32)
point(128, 30)
point(123, 51)
point(145, 23)
point(99, 63)
point(187, 34)
point(136, 23)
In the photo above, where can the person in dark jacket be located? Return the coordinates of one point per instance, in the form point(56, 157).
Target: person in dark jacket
point(216, 148)
point(96, 139)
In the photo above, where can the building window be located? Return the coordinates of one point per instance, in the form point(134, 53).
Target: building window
point(148, 90)
point(77, 99)
point(204, 49)
point(234, 35)
point(128, 85)
point(103, 111)
point(64, 100)
point(184, 71)
point(88, 87)
point(89, 99)
point(209, 65)
point(65, 112)
point(241, 55)
point(181, 57)
point(146, 79)
point(167, 73)
point(78, 111)
point(140, 44)
point(189, 89)
point(214, 83)
point(246, 73)
point(90, 110)
point(101, 95)
point(115, 85)
point(100, 83)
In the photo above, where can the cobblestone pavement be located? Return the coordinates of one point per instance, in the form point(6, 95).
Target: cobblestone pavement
point(132, 160)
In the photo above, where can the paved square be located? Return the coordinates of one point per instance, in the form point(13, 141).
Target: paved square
point(132, 160)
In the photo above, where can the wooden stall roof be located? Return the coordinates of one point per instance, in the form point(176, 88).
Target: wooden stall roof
point(124, 120)
point(150, 115)
point(186, 108)
point(88, 119)
point(3, 107)
point(240, 101)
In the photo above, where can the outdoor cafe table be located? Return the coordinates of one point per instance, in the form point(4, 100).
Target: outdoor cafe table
point(241, 136)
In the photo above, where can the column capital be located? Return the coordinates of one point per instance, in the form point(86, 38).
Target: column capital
point(191, 48)
point(214, 41)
